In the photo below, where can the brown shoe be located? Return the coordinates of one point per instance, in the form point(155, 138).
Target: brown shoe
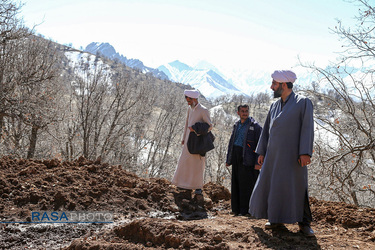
point(306, 230)
point(270, 225)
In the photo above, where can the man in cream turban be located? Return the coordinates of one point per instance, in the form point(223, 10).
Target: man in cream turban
point(190, 167)
point(285, 148)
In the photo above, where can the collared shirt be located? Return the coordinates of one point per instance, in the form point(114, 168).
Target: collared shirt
point(283, 103)
point(240, 133)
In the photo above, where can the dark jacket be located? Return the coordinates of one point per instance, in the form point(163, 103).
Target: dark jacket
point(250, 158)
point(200, 141)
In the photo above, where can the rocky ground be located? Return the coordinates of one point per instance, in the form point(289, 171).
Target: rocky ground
point(152, 213)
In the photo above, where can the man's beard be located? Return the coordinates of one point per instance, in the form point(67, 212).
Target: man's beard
point(193, 104)
point(277, 93)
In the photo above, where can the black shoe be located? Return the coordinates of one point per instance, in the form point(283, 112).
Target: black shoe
point(306, 230)
point(198, 191)
point(270, 225)
point(247, 215)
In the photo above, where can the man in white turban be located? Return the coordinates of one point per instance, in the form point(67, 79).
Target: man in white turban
point(285, 148)
point(190, 167)
point(284, 76)
point(194, 94)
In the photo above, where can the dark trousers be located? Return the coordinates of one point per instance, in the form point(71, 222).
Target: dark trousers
point(307, 217)
point(243, 181)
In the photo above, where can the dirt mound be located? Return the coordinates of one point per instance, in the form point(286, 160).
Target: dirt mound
point(335, 214)
point(27, 185)
point(150, 213)
point(79, 185)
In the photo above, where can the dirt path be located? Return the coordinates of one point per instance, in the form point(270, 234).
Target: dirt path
point(223, 231)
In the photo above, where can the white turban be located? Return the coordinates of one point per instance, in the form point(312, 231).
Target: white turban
point(284, 76)
point(192, 93)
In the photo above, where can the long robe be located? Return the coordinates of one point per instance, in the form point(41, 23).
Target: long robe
point(190, 167)
point(282, 185)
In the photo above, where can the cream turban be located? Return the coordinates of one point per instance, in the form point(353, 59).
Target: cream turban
point(284, 76)
point(192, 93)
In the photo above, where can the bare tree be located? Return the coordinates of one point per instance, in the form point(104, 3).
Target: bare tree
point(216, 171)
point(262, 99)
point(27, 66)
point(11, 30)
point(107, 103)
point(164, 136)
point(344, 114)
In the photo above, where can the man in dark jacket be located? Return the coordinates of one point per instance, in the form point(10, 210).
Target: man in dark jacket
point(241, 155)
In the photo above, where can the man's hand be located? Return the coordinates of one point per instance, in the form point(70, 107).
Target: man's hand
point(304, 160)
point(257, 167)
point(261, 160)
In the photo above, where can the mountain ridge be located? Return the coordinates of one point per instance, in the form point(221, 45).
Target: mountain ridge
point(107, 50)
point(207, 78)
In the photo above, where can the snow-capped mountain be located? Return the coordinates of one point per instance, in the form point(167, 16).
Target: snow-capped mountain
point(210, 83)
point(107, 50)
point(208, 79)
point(214, 82)
point(251, 81)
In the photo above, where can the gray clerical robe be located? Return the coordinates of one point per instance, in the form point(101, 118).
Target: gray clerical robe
point(282, 184)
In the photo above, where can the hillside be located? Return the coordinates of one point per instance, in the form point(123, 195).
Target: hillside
point(151, 213)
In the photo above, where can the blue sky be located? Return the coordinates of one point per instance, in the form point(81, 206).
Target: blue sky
point(250, 34)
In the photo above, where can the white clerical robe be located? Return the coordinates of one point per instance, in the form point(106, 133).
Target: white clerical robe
point(190, 167)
